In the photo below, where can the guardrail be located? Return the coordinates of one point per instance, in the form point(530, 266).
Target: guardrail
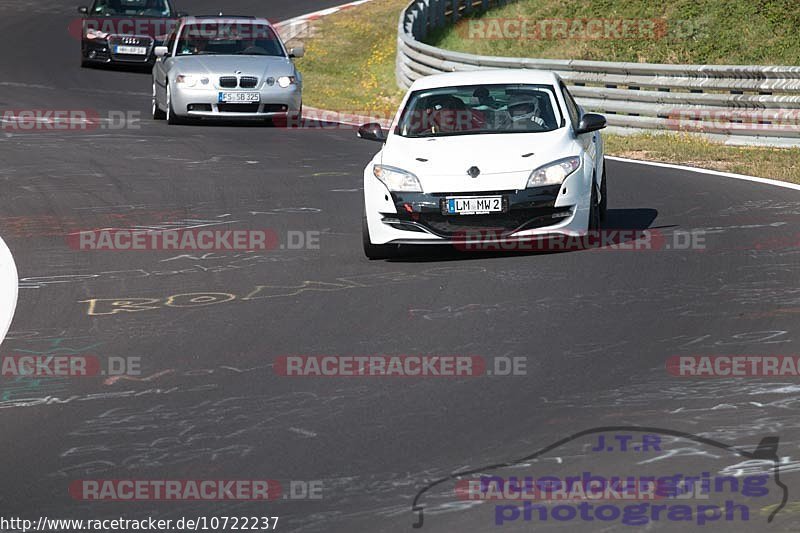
point(749, 104)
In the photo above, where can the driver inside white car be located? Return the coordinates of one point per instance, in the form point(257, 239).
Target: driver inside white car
point(523, 108)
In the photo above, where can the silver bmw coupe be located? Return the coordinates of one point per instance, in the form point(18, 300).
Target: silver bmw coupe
point(228, 68)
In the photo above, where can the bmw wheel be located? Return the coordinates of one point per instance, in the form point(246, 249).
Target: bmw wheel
point(172, 118)
point(158, 113)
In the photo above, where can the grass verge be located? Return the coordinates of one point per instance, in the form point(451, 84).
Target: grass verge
point(349, 67)
point(349, 64)
point(685, 149)
point(732, 32)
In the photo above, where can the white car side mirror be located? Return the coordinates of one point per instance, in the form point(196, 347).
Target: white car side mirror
point(297, 51)
point(161, 51)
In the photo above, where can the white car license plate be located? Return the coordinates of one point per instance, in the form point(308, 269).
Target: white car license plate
point(473, 205)
point(131, 50)
point(239, 97)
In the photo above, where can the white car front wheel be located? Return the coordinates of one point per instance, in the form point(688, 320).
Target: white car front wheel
point(375, 251)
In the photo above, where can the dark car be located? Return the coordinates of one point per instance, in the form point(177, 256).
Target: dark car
point(125, 32)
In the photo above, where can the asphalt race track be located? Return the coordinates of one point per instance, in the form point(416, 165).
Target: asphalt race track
point(596, 326)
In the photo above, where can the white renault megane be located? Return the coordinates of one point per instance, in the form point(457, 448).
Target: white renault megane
point(505, 153)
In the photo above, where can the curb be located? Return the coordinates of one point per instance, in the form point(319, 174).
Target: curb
point(9, 289)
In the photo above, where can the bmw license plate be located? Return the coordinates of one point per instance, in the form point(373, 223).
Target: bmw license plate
point(239, 97)
point(473, 205)
point(130, 50)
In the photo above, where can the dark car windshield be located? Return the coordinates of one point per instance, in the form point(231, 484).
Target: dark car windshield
point(228, 39)
point(480, 109)
point(132, 8)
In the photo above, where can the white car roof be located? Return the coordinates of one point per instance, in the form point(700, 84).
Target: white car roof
point(486, 77)
point(227, 20)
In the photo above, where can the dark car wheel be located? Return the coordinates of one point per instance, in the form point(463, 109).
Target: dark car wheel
point(375, 251)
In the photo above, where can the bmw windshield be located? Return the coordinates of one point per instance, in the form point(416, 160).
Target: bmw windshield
point(229, 39)
point(480, 109)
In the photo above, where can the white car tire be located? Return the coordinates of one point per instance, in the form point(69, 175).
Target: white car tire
point(375, 251)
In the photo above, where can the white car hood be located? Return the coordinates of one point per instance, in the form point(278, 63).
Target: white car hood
point(259, 66)
point(505, 160)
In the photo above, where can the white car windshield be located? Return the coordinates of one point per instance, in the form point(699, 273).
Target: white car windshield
point(480, 109)
point(229, 39)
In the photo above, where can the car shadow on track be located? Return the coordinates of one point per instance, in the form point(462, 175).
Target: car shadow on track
point(115, 67)
point(625, 222)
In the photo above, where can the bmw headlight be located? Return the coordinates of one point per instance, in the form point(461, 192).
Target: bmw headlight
point(397, 180)
point(554, 173)
point(285, 81)
point(186, 80)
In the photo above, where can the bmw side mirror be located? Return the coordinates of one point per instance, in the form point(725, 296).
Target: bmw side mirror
point(372, 132)
point(297, 51)
point(591, 122)
point(160, 51)
point(83, 10)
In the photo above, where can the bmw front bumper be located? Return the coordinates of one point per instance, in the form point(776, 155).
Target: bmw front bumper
point(275, 101)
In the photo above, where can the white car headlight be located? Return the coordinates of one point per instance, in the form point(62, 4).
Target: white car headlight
point(554, 173)
point(186, 80)
point(95, 34)
point(397, 180)
point(285, 81)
